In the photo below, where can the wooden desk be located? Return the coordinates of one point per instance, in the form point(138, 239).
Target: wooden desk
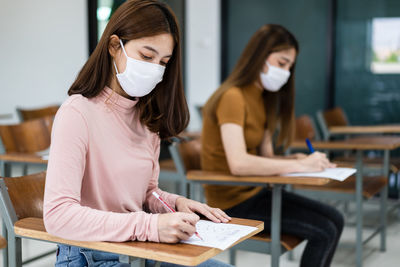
point(277, 181)
point(180, 253)
point(360, 144)
point(356, 143)
point(373, 129)
point(10, 158)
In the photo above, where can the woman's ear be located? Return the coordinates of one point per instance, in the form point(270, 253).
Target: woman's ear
point(114, 45)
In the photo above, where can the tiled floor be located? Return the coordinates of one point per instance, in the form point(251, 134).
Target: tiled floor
point(344, 256)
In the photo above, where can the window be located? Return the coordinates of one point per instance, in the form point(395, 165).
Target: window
point(385, 45)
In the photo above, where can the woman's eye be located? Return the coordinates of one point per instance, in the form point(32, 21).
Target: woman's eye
point(162, 63)
point(146, 57)
point(281, 64)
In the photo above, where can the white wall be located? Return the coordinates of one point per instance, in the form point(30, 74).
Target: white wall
point(203, 59)
point(43, 45)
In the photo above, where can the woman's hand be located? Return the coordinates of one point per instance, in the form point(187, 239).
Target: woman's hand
point(315, 162)
point(299, 156)
point(214, 214)
point(176, 226)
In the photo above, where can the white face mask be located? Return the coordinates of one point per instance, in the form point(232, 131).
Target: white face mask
point(274, 79)
point(139, 77)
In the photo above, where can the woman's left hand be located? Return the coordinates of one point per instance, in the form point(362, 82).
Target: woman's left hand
point(214, 214)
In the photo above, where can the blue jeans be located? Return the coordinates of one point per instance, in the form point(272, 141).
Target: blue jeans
point(69, 256)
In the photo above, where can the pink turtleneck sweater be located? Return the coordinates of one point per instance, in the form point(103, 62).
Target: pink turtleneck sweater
point(102, 170)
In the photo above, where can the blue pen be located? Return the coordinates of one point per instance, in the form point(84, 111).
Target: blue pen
point(310, 147)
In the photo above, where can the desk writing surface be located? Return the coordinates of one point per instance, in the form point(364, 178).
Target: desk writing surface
point(22, 157)
point(373, 129)
point(207, 176)
point(179, 253)
point(356, 143)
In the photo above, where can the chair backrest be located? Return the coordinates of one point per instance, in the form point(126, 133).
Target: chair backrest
point(305, 128)
point(22, 197)
point(186, 155)
point(31, 114)
point(329, 118)
point(335, 117)
point(27, 137)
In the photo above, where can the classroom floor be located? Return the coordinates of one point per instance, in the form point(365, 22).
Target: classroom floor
point(344, 256)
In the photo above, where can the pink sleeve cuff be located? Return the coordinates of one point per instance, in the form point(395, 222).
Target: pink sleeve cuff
point(153, 234)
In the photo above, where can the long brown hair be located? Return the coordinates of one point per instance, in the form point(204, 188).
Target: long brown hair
point(164, 110)
point(279, 105)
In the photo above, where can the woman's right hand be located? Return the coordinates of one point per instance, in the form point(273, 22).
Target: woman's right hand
point(176, 226)
point(315, 162)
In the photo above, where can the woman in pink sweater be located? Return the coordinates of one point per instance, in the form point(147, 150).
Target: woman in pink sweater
point(103, 165)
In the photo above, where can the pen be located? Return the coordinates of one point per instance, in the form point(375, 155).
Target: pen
point(310, 147)
point(170, 209)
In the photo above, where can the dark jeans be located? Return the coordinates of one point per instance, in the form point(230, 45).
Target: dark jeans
point(320, 224)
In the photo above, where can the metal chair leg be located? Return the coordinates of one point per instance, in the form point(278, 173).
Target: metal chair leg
point(384, 197)
point(359, 210)
point(232, 256)
point(14, 251)
point(5, 250)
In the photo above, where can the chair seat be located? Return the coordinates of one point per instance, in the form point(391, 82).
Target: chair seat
point(289, 242)
point(371, 186)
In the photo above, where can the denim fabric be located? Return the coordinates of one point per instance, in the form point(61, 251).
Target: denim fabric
point(320, 224)
point(69, 256)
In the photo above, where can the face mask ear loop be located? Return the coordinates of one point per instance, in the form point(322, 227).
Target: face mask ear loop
point(123, 48)
point(115, 66)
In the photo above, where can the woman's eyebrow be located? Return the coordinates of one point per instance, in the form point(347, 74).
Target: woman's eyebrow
point(154, 50)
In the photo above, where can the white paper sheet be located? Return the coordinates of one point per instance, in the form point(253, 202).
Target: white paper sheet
point(339, 174)
point(44, 153)
point(218, 235)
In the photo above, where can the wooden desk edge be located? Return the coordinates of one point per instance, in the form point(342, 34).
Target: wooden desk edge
point(147, 250)
point(206, 176)
point(371, 129)
point(23, 158)
point(329, 145)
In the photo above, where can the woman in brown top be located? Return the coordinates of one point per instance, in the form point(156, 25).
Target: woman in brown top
point(239, 121)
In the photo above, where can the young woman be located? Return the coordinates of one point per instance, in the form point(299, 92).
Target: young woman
point(103, 165)
point(239, 121)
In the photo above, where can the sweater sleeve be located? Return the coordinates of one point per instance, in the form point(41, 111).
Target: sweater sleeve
point(152, 204)
point(64, 216)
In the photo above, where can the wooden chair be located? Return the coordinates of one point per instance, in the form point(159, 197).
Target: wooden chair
point(186, 156)
point(343, 191)
point(31, 114)
point(25, 138)
point(168, 171)
point(329, 118)
point(21, 206)
point(338, 117)
point(305, 128)
point(20, 198)
point(3, 242)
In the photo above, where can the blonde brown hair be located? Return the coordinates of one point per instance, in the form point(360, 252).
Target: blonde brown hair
point(279, 105)
point(164, 110)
